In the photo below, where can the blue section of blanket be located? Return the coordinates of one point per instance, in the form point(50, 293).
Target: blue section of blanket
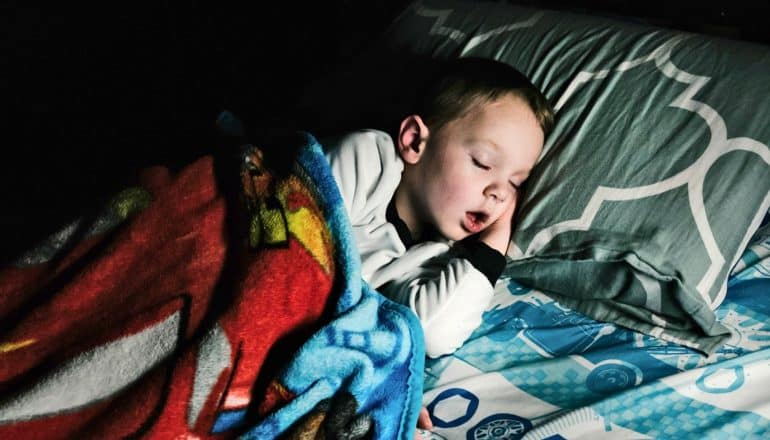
point(364, 368)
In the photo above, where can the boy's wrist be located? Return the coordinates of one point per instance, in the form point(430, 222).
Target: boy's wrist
point(498, 243)
point(485, 258)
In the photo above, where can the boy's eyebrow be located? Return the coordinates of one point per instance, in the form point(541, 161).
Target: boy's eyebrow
point(488, 142)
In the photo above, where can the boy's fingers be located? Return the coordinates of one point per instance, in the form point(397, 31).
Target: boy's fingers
point(423, 420)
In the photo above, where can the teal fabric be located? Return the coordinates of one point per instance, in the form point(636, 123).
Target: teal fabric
point(658, 170)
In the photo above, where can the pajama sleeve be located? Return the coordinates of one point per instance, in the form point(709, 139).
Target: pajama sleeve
point(444, 289)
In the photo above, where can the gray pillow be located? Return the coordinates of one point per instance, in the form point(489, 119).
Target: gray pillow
point(658, 170)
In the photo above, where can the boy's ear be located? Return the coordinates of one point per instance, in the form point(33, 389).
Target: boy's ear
point(412, 138)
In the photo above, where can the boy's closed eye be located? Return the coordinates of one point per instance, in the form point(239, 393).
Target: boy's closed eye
point(479, 164)
point(485, 167)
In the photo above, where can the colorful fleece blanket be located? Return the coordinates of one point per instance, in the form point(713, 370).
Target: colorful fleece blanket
point(223, 301)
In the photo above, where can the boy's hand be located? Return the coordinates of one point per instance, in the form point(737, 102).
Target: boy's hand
point(423, 424)
point(498, 234)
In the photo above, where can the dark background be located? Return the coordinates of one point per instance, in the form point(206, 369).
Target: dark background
point(94, 93)
point(97, 93)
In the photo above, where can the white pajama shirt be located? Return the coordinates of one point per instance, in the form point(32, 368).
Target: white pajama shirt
point(447, 286)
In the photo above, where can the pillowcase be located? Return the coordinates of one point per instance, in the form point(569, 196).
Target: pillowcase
point(657, 172)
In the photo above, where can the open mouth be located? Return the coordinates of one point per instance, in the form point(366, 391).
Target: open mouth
point(474, 221)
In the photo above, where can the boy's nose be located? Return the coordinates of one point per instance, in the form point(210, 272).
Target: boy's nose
point(494, 193)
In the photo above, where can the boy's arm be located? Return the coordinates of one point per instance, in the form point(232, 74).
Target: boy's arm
point(449, 289)
point(444, 288)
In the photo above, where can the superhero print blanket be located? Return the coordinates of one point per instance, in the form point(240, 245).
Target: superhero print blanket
point(222, 301)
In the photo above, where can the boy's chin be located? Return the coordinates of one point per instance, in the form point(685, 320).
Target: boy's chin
point(457, 234)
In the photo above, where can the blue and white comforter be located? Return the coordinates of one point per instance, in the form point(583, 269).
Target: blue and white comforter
point(538, 370)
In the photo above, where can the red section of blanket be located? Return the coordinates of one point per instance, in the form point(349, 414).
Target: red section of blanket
point(157, 326)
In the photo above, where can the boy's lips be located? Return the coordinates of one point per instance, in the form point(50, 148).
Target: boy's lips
point(474, 221)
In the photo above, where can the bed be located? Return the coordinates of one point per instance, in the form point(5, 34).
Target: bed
point(224, 299)
point(565, 350)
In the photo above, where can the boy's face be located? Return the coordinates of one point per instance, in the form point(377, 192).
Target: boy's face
point(470, 171)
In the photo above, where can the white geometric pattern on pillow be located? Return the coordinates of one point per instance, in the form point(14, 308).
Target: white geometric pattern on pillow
point(693, 176)
point(458, 36)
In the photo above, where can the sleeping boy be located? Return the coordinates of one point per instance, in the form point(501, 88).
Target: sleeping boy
point(431, 207)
